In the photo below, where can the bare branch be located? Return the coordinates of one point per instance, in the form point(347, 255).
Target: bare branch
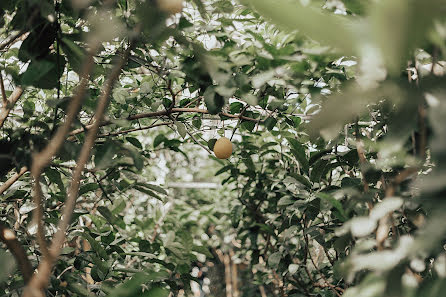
point(12, 179)
point(9, 238)
point(9, 104)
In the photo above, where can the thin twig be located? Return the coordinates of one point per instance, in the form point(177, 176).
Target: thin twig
point(165, 113)
point(197, 142)
point(133, 130)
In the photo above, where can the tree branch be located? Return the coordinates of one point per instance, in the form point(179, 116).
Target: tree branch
point(13, 39)
point(133, 130)
point(165, 113)
point(12, 179)
point(9, 104)
point(2, 86)
point(10, 240)
point(43, 158)
point(41, 279)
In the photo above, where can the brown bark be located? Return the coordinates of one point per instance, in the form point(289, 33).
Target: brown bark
point(7, 106)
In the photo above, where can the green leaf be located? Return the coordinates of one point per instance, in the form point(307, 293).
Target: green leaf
point(156, 292)
point(54, 177)
point(274, 260)
point(214, 102)
point(133, 287)
point(335, 203)
point(44, 73)
point(270, 123)
point(88, 188)
point(153, 187)
point(75, 54)
point(110, 217)
point(160, 138)
point(298, 150)
point(134, 141)
point(181, 128)
point(328, 28)
point(211, 143)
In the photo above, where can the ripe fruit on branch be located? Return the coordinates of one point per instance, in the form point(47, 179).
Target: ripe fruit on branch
point(223, 148)
point(170, 6)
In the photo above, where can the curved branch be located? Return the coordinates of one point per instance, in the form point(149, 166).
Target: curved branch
point(9, 104)
point(10, 240)
point(13, 179)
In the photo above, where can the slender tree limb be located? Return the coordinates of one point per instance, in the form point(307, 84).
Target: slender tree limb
point(197, 142)
point(165, 113)
point(9, 104)
point(40, 280)
point(133, 130)
point(422, 132)
point(2, 86)
point(363, 161)
point(13, 179)
point(8, 237)
point(12, 40)
point(43, 158)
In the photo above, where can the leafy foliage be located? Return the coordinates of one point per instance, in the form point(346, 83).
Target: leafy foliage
point(336, 112)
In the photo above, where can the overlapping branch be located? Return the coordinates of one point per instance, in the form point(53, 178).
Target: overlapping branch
point(41, 279)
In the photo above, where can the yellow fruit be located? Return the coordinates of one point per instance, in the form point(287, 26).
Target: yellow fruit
point(223, 148)
point(170, 6)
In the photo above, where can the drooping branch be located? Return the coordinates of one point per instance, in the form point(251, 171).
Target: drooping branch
point(8, 237)
point(9, 104)
point(41, 279)
point(13, 179)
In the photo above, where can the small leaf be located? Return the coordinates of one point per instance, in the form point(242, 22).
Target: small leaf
point(181, 128)
point(134, 141)
point(274, 259)
point(270, 123)
point(293, 268)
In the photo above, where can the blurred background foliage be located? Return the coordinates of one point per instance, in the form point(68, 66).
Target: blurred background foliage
point(336, 110)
